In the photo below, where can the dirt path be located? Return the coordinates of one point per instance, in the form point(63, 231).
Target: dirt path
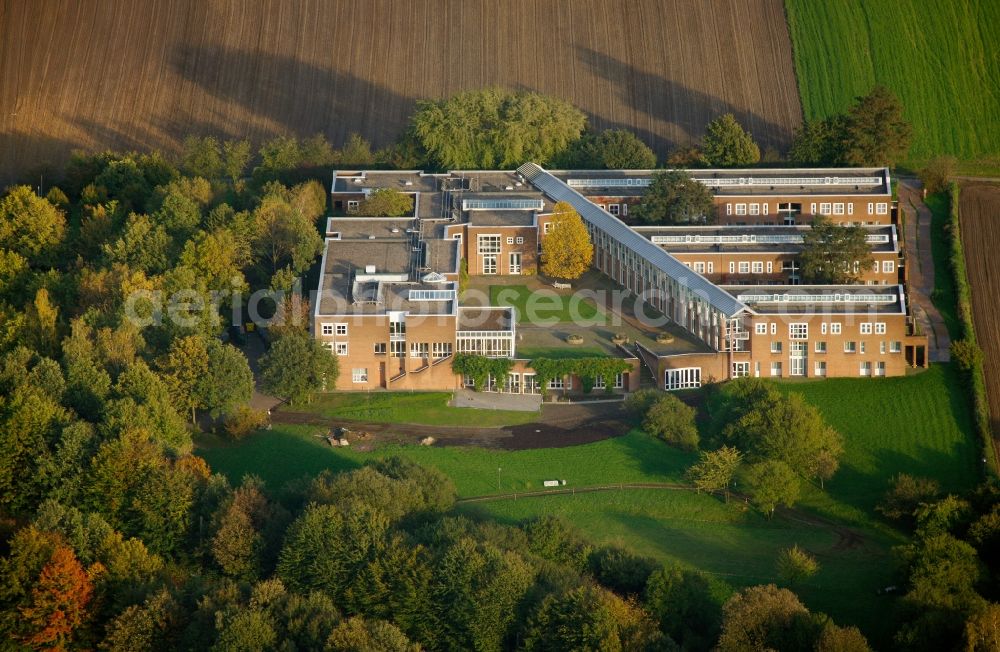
point(920, 273)
point(559, 426)
point(847, 538)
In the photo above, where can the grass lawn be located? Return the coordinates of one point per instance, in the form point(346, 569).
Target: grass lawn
point(288, 452)
point(560, 353)
point(944, 296)
point(544, 305)
point(733, 544)
point(918, 424)
point(938, 56)
point(428, 408)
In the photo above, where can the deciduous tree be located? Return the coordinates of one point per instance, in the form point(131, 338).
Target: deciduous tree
point(184, 369)
point(566, 251)
point(726, 144)
point(672, 420)
point(386, 202)
point(673, 197)
point(29, 224)
point(715, 470)
point(875, 131)
point(297, 366)
point(59, 601)
point(833, 254)
point(612, 149)
point(772, 483)
point(795, 564)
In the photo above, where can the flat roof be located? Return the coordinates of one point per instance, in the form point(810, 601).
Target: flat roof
point(739, 182)
point(821, 299)
point(735, 239)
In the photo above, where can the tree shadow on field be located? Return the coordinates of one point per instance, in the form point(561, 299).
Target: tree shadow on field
point(692, 109)
point(295, 96)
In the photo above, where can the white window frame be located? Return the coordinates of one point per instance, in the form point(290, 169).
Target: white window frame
point(819, 368)
point(882, 208)
point(770, 266)
point(729, 209)
point(741, 209)
point(379, 348)
point(835, 328)
point(681, 378)
point(485, 241)
point(557, 383)
point(614, 209)
point(775, 346)
point(895, 346)
point(353, 205)
point(820, 346)
point(510, 239)
point(865, 328)
point(732, 267)
point(760, 329)
point(850, 346)
point(776, 369)
point(774, 328)
point(326, 329)
point(850, 208)
point(838, 208)
point(888, 266)
point(340, 329)
point(754, 209)
point(744, 267)
point(865, 368)
point(798, 330)
point(740, 369)
point(547, 228)
point(359, 375)
point(710, 267)
point(341, 349)
point(519, 239)
point(822, 328)
point(880, 328)
point(825, 208)
point(871, 208)
point(699, 267)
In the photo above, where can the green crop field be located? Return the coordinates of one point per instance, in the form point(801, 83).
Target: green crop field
point(938, 56)
point(429, 408)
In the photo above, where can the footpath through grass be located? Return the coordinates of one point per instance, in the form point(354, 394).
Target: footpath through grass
point(288, 452)
point(426, 408)
point(944, 296)
point(728, 541)
point(938, 56)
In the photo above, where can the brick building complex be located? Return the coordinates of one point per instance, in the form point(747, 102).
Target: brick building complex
point(729, 295)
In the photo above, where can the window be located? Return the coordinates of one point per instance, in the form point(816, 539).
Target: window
point(599, 382)
point(397, 329)
point(519, 240)
point(352, 205)
point(755, 209)
point(824, 208)
point(881, 347)
point(774, 328)
point(865, 368)
point(729, 209)
point(514, 263)
point(741, 209)
point(798, 331)
point(419, 349)
point(699, 267)
point(341, 329)
point(744, 268)
point(863, 345)
point(850, 209)
point(341, 348)
point(835, 328)
point(379, 348)
point(710, 266)
point(624, 209)
point(866, 328)
point(838, 209)
point(761, 329)
point(819, 369)
point(880, 368)
point(758, 267)
point(489, 244)
point(683, 378)
point(510, 240)
point(776, 369)
point(895, 346)
point(441, 349)
point(888, 266)
point(850, 347)
point(770, 267)
point(776, 346)
point(490, 264)
point(613, 209)
point(618, 384)
point(812, 208)
point(456, 236)
point(741, 369)
point(398, 348)
point(875, 267)
point(732, 267)
point(359, 375)
point(820, 347)
point(764, 208)
point(871, 208)
point(620, 378)
point(327, 329)
point(557, 383)
point(546, 227)
point(880, 328)
point(882, 208)
point(822, 328)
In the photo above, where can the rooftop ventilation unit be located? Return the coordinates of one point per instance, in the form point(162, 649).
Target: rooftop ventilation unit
point(395, 230)
point(359, 180)
point(407, 183)
point(508, 187)
point(369, 269)
point(371, 237)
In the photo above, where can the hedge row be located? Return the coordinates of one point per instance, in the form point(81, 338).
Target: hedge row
point(963, 298)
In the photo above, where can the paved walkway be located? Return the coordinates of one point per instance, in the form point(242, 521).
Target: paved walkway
point(920, 272)
point(496, 401)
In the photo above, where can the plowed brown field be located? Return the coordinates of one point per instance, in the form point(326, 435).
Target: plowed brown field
point(144, 73)
point(979, 206)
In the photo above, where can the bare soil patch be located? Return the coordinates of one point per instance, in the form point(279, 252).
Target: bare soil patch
point(145, 73)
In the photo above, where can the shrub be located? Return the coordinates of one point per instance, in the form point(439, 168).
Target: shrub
point(638, 403)
point(672, 420)
point(244, 420)
point(620, 570)
point(966, 354)
point(905, 494)
point(938, 172)
point(795, 564)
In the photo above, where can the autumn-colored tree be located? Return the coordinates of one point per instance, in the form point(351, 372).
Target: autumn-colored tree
point(566, 250)
point(59, 600)
point(29, 224)
point(43, 322)
point(795, 564)
point(386, 202)
point(715, 470)
point(727, 144)
point(184, 368)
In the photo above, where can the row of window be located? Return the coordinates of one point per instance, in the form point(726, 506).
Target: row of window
point(865, 368)
point(333, 329)
point(894, 346)
point(513, 382)
point(758, 266)
point(800, 330)
point(614, 209)
point(822, 208)
point(397, 349)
